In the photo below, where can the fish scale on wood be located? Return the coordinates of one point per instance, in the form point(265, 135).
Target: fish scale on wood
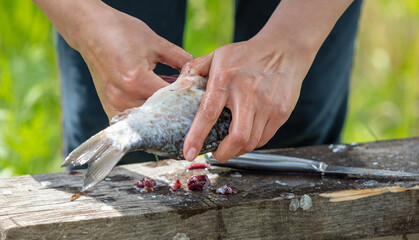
point(159, 126)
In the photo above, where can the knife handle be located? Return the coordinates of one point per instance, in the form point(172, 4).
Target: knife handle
point(270, 162)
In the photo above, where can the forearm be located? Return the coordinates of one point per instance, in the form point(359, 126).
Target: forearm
point(304, 22)
point(72, 18)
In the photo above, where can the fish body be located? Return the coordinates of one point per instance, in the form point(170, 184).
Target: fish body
point(159, 126)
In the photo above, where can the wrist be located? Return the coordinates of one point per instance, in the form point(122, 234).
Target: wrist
point(82, 32)
point(286, 40)
point(288, 44)
point(302, 24)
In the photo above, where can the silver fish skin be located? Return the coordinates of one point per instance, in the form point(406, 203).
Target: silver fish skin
point(159, 126)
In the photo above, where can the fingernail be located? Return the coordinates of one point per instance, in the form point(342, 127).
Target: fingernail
point(190, 155)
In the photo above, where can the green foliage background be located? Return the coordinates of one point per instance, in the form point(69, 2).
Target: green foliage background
point(384, 101)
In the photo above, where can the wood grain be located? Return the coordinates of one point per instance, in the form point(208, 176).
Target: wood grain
point(39, 207)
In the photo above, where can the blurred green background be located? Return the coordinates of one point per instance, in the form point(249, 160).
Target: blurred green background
point(384, 100)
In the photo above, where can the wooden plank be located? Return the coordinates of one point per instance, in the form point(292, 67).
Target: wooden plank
point(39, 207)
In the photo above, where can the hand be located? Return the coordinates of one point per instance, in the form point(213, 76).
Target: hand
point(259, 81)
point(121, 56)
point(120, 51)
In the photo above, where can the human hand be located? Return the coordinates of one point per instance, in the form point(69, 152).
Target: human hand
point(120, 51)
point(121, 54)
point(259, 81)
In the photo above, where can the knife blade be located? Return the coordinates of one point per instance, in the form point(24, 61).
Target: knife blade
point(281, 163)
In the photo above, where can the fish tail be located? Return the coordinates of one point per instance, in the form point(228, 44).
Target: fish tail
point(100, 168)
point(101, 156)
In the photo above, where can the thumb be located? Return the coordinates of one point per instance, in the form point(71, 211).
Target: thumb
point(129, 99)
point(152, 84)
point(199, 66)
point(173, 55)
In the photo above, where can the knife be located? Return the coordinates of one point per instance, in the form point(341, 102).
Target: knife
point(281, 163)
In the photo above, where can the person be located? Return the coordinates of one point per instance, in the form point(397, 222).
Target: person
point(285, 78)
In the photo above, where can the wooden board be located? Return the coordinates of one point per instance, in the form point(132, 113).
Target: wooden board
point(266, 207)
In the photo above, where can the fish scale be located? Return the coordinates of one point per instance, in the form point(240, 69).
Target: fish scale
point(159, 126)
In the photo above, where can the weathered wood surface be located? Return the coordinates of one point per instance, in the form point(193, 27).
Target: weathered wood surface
point(39, 207)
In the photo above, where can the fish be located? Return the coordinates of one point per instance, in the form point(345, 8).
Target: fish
point(159, 127)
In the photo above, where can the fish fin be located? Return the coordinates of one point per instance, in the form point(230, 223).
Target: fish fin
point(101, 156)
point(101, 167)
point(88, 151)
point(120, 116)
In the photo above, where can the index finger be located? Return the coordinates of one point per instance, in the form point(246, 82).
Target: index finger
point(199, 66)
point(210, 109)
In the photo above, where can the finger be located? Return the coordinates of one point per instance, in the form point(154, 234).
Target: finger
point(153, 83)
point(210, 109)
point(199, 66)
point(258, 126)
point(173, 55)
point(241, 152)
point(257, 131)
point(111, 113)
point(137, 92)
point(239, 134)
point(271, 128)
